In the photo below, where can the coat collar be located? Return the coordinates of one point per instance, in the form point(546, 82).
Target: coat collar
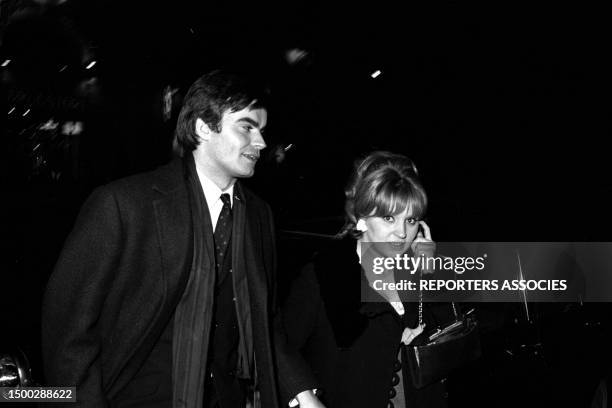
point(339, 266)
point(170, 177)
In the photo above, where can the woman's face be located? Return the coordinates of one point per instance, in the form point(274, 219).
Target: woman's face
point(396, 231)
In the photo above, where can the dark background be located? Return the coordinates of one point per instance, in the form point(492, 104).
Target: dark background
point(504, 107)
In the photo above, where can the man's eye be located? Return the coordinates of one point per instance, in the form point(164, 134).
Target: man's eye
point(388, 218)
point(247, 128)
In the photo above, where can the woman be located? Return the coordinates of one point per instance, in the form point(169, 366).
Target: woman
point(353, 346)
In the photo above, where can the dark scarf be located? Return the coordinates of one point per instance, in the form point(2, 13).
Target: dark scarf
point(193, 316)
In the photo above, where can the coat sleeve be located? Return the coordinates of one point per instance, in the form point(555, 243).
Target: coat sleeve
point(302, 311)
point(74, 297)
point(293, 374)
point(308, 328)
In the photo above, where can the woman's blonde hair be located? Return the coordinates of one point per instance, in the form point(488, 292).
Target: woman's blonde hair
point(383, 183)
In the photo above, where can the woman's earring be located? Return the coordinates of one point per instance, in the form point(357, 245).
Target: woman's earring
point(361, 225)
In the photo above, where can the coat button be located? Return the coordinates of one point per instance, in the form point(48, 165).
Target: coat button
point(397, 366)
point(395, 380)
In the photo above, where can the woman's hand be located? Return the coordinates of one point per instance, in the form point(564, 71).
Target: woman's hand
point(410, 334)
point(423, 246)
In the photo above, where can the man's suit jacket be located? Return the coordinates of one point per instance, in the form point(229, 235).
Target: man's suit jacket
point(122, 272)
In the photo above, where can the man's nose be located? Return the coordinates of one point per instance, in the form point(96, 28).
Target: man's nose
point(258, 141)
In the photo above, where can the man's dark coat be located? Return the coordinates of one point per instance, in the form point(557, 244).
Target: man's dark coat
point(122, 272)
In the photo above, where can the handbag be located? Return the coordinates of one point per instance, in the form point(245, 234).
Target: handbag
point(445, 350)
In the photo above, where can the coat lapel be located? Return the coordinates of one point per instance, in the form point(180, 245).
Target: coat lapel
point(251, 261)
point(242, 291)
point(175, 231)
point(247, 246)
point(172, 218)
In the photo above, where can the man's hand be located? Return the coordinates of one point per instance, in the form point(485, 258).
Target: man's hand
point(308, 399)
point(410, 334)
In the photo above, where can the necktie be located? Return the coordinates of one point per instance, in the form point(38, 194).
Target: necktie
point(223, 231)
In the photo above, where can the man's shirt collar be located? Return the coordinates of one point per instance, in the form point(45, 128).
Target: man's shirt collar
point(212, 192)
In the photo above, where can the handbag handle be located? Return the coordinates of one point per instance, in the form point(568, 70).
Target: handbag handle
point(421, 303)
point(420, 300)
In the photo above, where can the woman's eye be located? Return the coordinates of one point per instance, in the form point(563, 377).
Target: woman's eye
point(412, 221)
point(388, 218)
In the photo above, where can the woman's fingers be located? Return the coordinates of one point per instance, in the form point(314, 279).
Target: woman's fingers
point(426, 231)
point(423, 235)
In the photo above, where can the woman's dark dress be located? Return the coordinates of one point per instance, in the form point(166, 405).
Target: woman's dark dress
point(352, 347)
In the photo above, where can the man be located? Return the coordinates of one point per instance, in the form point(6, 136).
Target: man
point(163, 295)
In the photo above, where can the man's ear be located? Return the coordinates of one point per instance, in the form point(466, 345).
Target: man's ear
point(202, 129)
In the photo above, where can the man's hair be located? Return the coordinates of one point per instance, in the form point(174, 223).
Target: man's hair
point(382, 184)
point(208, 98)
